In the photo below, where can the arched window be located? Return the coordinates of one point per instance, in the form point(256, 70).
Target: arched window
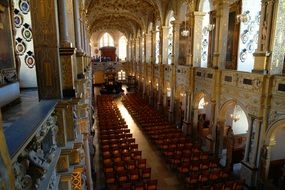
point(106, 40)
point(205, 34)
point(170, 37)
point(123, 48)
point(157, 44)
point(121, 75)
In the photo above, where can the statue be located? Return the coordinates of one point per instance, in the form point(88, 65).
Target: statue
point(263, 34)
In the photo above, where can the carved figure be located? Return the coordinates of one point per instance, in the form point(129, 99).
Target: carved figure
point(38, 159)
point(263, 33)
point(22, 181)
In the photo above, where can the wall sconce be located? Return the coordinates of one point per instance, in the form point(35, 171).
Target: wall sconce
point(185, 32)
point(156, 84)
point(149, 81)
point(209, 27)
point(236, 114)
point(182, 94)
point(244, 17)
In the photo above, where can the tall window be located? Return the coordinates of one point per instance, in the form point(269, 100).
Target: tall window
point(123, 48)
point(157, 44)
point(170, 37)
point(205, 34)
point(106, 40)
point(121, 75)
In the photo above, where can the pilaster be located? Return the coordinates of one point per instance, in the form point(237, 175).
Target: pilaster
point(263, 51)
point(45, 36)
point(197, 37)
point(67, 62)
point(220, 48)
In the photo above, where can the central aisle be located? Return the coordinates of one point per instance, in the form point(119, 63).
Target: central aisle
point(167, 179)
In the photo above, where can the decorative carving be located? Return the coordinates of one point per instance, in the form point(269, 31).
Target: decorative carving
point(22, 180)
point(275, 116)
point(76, 181)
point(2, 8)
point(10, 75)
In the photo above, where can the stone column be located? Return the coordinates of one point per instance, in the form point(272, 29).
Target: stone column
point(144, 65)
point(63, 22)
point(220, 48)
point(78, 36)
point(197, 38)
point(248, 138)
point(263, 51)
point(66, 52)
point(175, 55)
point(176, 39)
point(153, 40)
point(82, 31)
point(76, 9)
point(187, 113)
point(164, 44)
point(88, 160)
point(195, 124)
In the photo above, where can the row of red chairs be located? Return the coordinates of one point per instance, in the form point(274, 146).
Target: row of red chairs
point(186, 157)
point(123, 165)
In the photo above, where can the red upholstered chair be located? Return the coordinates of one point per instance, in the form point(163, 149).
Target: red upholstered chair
point(146, 173)
point(139, 186)
point(110, 178)
point(122, 176)
point(204, 178)
point(192, 180)
point(112, 187)
point(141, 164)
point(126, 186)
point(184, 168)
point(134, 175)
point(131, 165)
point(151, 185)
point(119, 166)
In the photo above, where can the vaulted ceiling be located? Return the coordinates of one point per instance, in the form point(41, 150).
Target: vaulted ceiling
point(127, 16)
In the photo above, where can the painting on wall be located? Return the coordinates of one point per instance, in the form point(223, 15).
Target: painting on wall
point(6, 43)
point(233, 36)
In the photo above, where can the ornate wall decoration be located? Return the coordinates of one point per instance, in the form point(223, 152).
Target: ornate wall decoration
point(20, 46)
point(18, 18)
point(29, 59)
point(22, 22)
point(278, 50)
point(249, 31)
point(76, 181)
point(26, 32)
point(24, 6)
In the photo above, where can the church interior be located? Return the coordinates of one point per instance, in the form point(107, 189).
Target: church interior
point(142, 94)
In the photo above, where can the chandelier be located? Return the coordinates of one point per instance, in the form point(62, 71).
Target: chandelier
point(185, 32)
point(236, 114)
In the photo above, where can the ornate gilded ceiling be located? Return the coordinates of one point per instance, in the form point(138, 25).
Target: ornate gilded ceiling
point(127, 16)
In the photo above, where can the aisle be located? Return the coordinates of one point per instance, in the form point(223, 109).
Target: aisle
point(167, 179)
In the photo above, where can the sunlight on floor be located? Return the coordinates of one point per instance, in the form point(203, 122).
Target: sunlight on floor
point(125, 114)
